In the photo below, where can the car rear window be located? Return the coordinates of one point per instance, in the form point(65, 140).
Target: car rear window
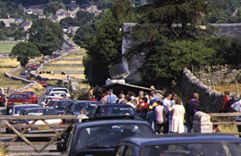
point(105, 136)
point(116, 110)
point(18, 96)
point(193, 149)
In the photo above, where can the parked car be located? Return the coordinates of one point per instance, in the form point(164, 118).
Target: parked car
point(17, 109)
point(75, 107)
point(58, 89)
point(40, 125)
point(33, 66)
point(100, 137)
point(32, 95)
point(49, 99)
point(180, 145)
point(114, 110)
point(2, 99)
point(59, 93)
point(17, 98)
point(60, 105)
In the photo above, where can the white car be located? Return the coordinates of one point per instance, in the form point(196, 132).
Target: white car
point(41, 125)
point(48, 99)
point(54, 90)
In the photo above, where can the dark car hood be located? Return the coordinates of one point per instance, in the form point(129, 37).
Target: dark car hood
point(96, 152)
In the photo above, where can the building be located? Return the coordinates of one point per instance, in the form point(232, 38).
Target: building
point(8, 21)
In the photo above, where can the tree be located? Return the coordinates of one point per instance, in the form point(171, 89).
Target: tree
point(83, 35)
point(2, 24)
point(68, 21)
point(24, 51)
point(46, 35)
point(53, 6)
point(104, 48)
point(84, 18)
point(166, 60)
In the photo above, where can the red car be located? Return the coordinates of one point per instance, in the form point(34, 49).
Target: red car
point(18, 98)
point(2, 99)
point(32, 95)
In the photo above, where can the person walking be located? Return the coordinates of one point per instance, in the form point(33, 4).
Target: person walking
point(178, 112)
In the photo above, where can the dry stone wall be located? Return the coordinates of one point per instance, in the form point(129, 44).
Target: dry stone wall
point(210, 100)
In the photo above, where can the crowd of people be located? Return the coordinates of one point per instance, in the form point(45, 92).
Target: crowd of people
point(166, 114)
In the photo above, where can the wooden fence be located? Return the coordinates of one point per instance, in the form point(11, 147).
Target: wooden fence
point(227, 119)
point(21, 130)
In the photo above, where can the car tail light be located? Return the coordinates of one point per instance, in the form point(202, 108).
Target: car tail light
point(61, 123)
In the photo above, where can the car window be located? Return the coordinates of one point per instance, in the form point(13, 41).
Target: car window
point(120, 150)
point(18, 96)
point(109, 135)
point(197, 149)
point(19, 109)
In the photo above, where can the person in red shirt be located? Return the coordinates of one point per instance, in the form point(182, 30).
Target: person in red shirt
point(225, 101)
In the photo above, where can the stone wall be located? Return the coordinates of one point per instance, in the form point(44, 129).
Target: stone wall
point(215, 75)
point(210, 100)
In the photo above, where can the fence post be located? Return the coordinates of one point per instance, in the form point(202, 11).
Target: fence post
point(202, 123)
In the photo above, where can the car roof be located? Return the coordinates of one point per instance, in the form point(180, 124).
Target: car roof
point(109, 122)
point(181, 138)
point(22, 105)
point(39, 108)
point(114, 105)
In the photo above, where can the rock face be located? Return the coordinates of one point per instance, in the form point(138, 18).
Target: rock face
point(210, 100)
point(202, 123)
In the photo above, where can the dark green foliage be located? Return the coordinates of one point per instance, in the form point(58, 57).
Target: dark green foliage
point(2, 25)
point(104, 47)
point(84, 34)
point(24, 51)
point(227, 50)
point(46, 35)
point(10, 9)
point(53, 6)
point(226, 11)
point(167, 59)
point(84, 18)
point(68, 21)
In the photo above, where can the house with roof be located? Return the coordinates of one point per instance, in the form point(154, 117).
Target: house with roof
point(61, 14)
point(8, 21)
point(25, 25)
point(37, 10)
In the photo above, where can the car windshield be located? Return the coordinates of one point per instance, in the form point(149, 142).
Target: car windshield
point(89, 107)
point(191, 149)
point(61, 104)
point(19, 109)
point(116, 110)
point(108, 135)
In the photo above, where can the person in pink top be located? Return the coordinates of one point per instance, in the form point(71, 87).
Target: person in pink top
point(160, 117)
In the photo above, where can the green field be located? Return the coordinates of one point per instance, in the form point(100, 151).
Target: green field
point(6, 47)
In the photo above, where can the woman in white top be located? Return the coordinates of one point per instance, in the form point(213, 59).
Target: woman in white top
point(178, 112)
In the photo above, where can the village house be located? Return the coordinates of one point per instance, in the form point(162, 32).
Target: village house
point(8, 21)
point(37, 10)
